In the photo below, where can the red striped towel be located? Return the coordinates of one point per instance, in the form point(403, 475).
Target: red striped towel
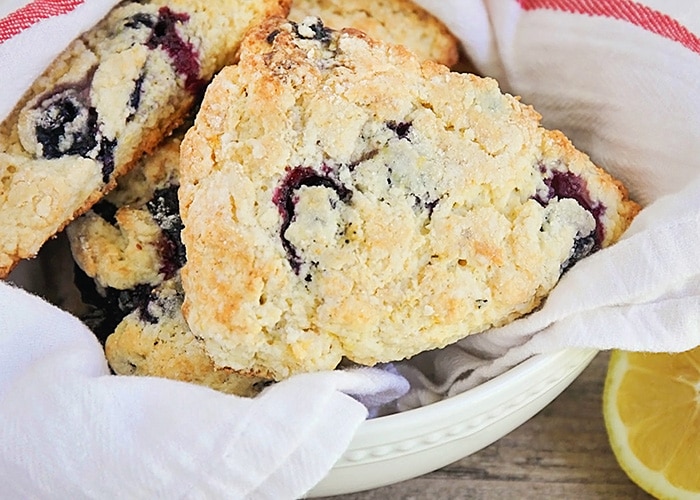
point(32, 34)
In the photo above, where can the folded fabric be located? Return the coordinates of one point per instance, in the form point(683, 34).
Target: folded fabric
point(69, 429)
point(618, 77)
point(642, 294)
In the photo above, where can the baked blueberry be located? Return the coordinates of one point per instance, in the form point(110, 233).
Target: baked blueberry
point(184, 56)
point(66, 124)
point(285, 197)
point(401, 128)
point(395, 21)
point(164, 208)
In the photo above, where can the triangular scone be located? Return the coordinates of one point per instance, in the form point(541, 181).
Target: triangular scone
point(342, 199)
point(113, 94)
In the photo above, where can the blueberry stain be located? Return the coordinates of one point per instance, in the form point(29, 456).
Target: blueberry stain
point(424, 203)
point(140, 20)
point(184, 56)
point(106, 156)
point(67, 125)
point(320, 32)
point(569, 185)
point(135, 97)
point(583, 246)
point(285, 199)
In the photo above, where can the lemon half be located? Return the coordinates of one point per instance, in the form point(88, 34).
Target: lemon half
point(651, 406)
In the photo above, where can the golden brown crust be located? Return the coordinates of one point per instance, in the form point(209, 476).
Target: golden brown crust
point(556, 145)
point(166, 348)
point(129, 246)
point(125, 251)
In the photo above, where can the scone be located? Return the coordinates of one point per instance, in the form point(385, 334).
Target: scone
point(129, 254)
point(112, 95)
point(393, 21)
point(342, 199)
point(155, 341)
point(132, 236)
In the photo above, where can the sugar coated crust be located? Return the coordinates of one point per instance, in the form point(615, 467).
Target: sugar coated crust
point(122, 245)
point(394, 21)
point(112, 95)
point(341, 198)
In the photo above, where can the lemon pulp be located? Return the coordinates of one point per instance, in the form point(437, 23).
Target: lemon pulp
point(651, 406)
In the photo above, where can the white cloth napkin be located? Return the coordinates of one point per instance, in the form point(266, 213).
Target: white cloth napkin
point(619, 77)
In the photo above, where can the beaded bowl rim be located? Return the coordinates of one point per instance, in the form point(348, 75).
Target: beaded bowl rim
point(393, 448)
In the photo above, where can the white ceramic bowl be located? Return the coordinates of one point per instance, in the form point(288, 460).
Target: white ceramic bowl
point(397, 447)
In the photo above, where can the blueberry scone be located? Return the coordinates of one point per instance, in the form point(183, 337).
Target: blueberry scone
point(131, 236)
point(341, 198)
point(394, 21)
point(154, 340)
point(112, 95)
point(129, 254)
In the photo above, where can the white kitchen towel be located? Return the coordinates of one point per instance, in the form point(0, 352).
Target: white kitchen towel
point(619, 77)
point(69, 429)
point(32, 34)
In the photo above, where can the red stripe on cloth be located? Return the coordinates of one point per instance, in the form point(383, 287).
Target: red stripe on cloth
point(30, 14)
point(624, 10)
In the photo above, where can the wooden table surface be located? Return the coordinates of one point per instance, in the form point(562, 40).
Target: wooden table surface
point(562, 452)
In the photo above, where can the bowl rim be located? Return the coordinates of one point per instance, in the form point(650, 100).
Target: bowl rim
point(405, 445)
point(425, 416)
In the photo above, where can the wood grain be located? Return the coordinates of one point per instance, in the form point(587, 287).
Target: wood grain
point(562, 452)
